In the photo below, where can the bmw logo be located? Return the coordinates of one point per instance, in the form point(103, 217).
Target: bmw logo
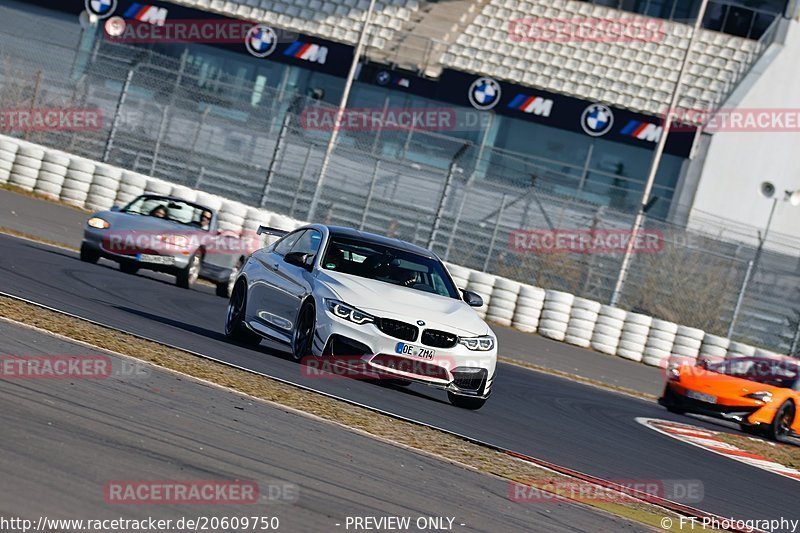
point(383, 77)
point(597, 120)
point(261, 40)
point(484, 93)
point(101, 8)
point(420, 322)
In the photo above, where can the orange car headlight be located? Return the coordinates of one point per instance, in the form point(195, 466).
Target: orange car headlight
point(673, 373)
point(761, 396)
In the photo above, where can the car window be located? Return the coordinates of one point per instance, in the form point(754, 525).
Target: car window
point(285, 244)
point(308, 243)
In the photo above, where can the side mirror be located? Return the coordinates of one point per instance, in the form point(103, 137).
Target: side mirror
point(300, 259)
point(115, 208)
point(473, 299)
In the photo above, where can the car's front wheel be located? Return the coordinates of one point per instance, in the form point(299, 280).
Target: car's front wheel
point(89, 254)
point(188, 276)
point(782, 423)
point(304, 331)
point(466, 402)
point(235, 329)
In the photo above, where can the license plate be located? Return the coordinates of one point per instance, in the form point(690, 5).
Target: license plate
point(415, 351)
point(156, 259)
point(701, 396)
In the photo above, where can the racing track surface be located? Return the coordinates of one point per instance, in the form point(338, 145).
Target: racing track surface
point(554, 419)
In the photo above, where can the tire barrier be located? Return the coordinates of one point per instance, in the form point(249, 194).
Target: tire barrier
point(529, 308)
point(25, 169)
point(582, 319)
point(608, 329)
point(103, 189)
point(52, 174)
point(503, 302)
point(555, 314)
point(8, 153)
point(483, 284)
point(633, 339)
point(659, 344)
point(687, 342)
point(77, 182)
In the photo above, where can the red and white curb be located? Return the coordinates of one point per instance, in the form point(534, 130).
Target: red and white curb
point(706, 439)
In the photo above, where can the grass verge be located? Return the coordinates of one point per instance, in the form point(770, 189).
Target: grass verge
point(785, 454)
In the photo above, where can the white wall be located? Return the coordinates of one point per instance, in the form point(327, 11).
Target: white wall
point(737, 162)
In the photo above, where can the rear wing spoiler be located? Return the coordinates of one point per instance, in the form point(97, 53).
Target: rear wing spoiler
point(271, 231)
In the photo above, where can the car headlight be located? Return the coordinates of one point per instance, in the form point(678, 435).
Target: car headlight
point(483, 343)
point(98, 223)
point(348, 312)
point(673, 372)
point(762, 396)
point(180, 241)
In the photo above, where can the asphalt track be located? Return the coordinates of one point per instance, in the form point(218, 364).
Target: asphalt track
point(554, 419)
point(63, 440)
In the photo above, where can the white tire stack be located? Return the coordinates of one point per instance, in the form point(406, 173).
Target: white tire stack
point(280, 222)
point(714, 348)
point(687, 343)
point(658, 348)
point(26, 167)
point(608, 329)
point(253, 219)
point(184, 193)
point(582, 318)
point(459, 274)
point(52, 174)
point(131, 185)
point(555, 315)
point(503, 302)
point(529, 308)
point(231, 216)
point(8, 153)
point(482, 284)
point(740, 349)
point(157, 186)
point(634, 336)
point(209, 200)
point(77, 181)
point(104, 187)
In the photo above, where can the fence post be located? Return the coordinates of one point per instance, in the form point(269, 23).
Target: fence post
point(162, 128)
point(369, 194)
point(494, 232)
point(278, 151)
point(115, 123)
point(300, 180)
point(740, 298)
point(36, 88)
point(448, 184)
point(200, 177)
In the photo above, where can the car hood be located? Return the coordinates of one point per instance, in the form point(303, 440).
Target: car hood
point(126, 222)
point(702, 380)
point(392, 301)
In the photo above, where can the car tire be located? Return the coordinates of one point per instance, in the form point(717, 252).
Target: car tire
point(225, 288)
point(235, 329)
point(89, 254)
point(128, 267)
point(303, 334)
point(466, 402)
point(187, 277)
point(781, 425)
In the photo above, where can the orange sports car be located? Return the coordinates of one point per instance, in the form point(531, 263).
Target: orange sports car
point(760, 394)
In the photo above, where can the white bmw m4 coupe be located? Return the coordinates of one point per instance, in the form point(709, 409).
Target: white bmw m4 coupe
point(338, 294)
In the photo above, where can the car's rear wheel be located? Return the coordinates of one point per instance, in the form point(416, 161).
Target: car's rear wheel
point(466, 402)
point(304, 331)
point(225, 288)
point(235, 328)
point(89, 254)
point(781, 425)
point(186, 278)
point(128, 267)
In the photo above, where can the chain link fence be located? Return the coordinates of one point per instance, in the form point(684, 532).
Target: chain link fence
point(165, 117)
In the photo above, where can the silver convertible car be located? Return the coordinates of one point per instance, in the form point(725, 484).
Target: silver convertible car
point(166, 234)
point(333, 293)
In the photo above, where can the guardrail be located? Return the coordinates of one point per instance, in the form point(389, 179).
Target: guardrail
point(553, 314)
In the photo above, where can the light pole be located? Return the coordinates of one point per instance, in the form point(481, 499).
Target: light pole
point(768, 191)
point(659, 151)
point(342, 106)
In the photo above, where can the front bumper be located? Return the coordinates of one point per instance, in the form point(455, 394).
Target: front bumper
point(739, 410)
point(456, 370)
point(95, 239)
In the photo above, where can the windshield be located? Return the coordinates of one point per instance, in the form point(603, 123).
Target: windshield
point(390, 265)
point(768, 371)
point(172, 210)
